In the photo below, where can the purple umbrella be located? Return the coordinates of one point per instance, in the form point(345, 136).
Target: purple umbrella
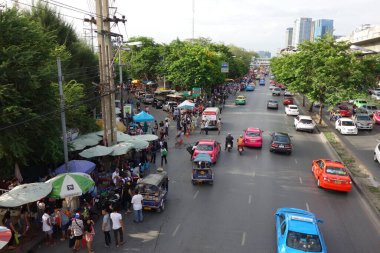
point(82, 166)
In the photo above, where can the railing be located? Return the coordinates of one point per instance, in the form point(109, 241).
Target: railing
point(370, 35)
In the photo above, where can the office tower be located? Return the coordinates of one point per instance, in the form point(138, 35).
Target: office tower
point(288, 36)
point(323, 27)
point(301, 30)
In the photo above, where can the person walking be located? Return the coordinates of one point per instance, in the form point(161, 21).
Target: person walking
point(47, 226)
point(153, 152)
point(164, 154)
point(166, 127)
point(106, 226)
point(137, 200)
point(89, 234)
point(206, 127)
point(219, 125)
point(77, 228)
point(117, 226)
point(202, 126)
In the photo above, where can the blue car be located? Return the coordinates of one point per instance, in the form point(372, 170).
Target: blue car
point(250, 88)
point(297, 231)
point(262, 82)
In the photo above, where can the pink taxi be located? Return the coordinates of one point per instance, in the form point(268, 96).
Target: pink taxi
point(253, 137)
point(376, 117)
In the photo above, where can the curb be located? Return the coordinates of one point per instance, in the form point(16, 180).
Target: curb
point(359, 186)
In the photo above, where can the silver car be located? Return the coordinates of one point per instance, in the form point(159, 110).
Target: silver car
point(276, 92)
point(370, 109)
point(363, 121)
point(272, 104)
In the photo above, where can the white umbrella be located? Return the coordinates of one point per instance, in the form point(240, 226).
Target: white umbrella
point(96, 151)
point(186, 105)
point(146, 137)
point(24, 194)
point(121, 148)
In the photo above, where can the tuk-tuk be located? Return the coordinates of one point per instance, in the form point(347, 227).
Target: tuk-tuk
point(154, 189)
point(202, 171)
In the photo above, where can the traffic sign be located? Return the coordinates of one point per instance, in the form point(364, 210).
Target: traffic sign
point(224, 68)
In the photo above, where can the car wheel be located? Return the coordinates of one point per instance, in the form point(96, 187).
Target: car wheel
point(162, 207)
point(375, 158)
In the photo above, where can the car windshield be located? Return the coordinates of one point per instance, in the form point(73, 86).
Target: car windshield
point(372, 107)
point(148, 96)
point(273, 101)
point(304, 242)
point(364, 117)
point(347, 123)
point(293, 107)
point(204, 147)
point(252, 134)
point(336, 171)
point(240, 98)
point(362, 102)
point(306, 121)
point(281, 139)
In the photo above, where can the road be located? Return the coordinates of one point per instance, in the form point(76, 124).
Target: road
point(236, 213)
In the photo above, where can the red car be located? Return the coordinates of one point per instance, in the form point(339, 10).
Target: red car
point(376, 117)
point(343, 111)
point(211, 147)
point(281, 86)
point(331, 175)
point(272, 82)
point(288, 101)
point(253, 137)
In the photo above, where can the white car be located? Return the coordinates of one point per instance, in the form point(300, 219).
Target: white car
point(276, 91)
point(376, 156)
point(376, 95)
point(292, 110)
point(305, 123)
point(346, 126)
point(272, 87)
point(168, 105)
point(287, 93)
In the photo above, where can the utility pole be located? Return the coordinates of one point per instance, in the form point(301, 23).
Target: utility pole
point(63, 116)
point(121, 80)
point(91, 21)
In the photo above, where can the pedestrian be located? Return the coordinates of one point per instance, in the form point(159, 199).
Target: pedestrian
point(89, 234)
point(206, 126)
point(7, 222)
point(106, 226)
point(115, 176)
point(77, 228)
point(166, 127)
point(117, 226)
point(24, 220)
point(155, 127)
point(202, 126)
point(137, 206)
point(47, 226)
point(219, 125)
point(164, 154)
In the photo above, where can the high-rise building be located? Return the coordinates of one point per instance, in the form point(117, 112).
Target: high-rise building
point(301, 30)
point(323, 27)
point(312, 31)
point(264, 54)
point(288, 36)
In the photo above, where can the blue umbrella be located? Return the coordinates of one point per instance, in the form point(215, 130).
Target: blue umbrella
point(143, 117)
point(76, 166)
point(203, 157)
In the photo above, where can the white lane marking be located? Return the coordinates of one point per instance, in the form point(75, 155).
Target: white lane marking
point(176, 230)
point(243, 238)
point(195, 195)
point(307, 207)
point(250, 199)
point(295, 160)
point(300, 180)
point(258, 156)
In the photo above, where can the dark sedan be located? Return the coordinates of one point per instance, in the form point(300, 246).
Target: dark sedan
point(281, 143)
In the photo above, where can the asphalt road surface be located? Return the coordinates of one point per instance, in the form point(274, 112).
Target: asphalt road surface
point(236, 213)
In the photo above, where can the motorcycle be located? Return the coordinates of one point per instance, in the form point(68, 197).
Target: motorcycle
point(229, 147)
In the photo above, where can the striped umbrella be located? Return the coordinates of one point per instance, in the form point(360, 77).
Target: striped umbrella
point(5, 236)
point(70, 185)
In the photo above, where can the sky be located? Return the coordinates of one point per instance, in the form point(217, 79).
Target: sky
point(250, 24)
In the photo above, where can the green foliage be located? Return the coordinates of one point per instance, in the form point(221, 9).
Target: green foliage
point(326, 71)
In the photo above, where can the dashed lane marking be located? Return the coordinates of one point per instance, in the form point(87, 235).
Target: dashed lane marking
point(307, 207)
point(250, 199)
point(295, 160)
point(243, 238)
point(195, 195)
point(176, 230)
point(300, 180)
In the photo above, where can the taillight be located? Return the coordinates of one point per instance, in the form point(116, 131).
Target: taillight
point(274, 145)
point(287, 146)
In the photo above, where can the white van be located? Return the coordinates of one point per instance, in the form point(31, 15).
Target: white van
point(211, 114)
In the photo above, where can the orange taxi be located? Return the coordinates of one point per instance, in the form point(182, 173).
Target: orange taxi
point(331, 175)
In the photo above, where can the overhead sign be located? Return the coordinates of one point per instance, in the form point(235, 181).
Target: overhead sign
point(224, 68)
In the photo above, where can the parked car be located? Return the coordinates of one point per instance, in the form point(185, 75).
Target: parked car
point(374, 90)
point(342, 110)
point(211, 147)
point(272, 104)
point(276, 91)
point(305, 123)
point(250, 88)
point(346, 126)
point(157, 103)
point(271, 87)
point(297, 231)
point(253, 137)
point(281, 142)
point(369, 109)
point(331, 175)
point(140, 94)
point(287, 93)
point(292, 110)
point(376, 117)
point(376, 96)
point(281, 86)
point(363, 121)
point(376, 156)
point(168, 105)
point(288, 101)
point(240, 100)
point(148, 98)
